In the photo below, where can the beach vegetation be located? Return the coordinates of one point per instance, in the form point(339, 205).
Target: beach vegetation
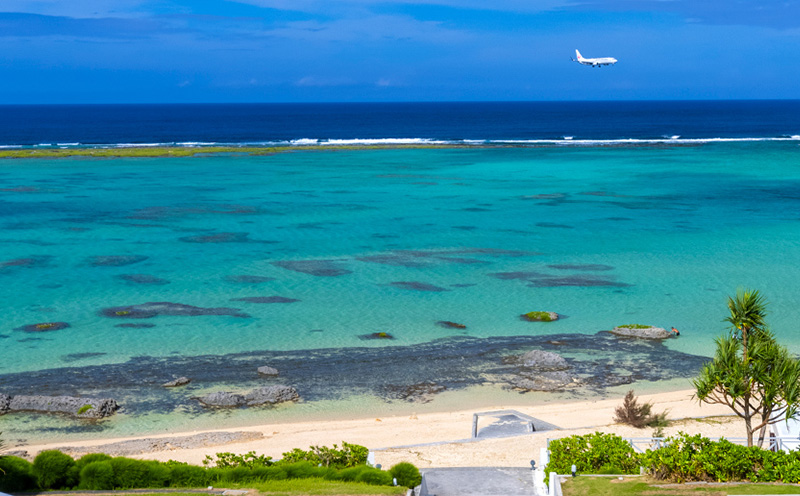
point(227, 459)
point(406, 475)
point(591, 453)
point(349, 455)
point(645, 486)
point(638, 415)
point(97, 475)
point(52, 469)
point(751, 373)
point(635, 326)
point(84, 409)
point(318, 486)
point(16, 474)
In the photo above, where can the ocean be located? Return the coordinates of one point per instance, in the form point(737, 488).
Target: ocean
point(607, 213)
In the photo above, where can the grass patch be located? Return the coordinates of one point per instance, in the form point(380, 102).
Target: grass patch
point(608, 486)
point(537, 316)
point(314, 486)
point(635, 326)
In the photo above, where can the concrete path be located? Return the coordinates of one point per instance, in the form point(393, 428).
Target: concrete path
point(477, 481)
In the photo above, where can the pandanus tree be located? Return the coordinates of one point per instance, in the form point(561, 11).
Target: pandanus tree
point(751, 373)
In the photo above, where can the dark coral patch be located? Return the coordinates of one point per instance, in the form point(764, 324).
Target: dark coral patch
point(450, 325)
point(417, 286)
point(524, 275)
point(578, 281)
point(319, 268)
point(116, 260)
point(142, 279)
point(586, 267)
point(266, 299)
point(245, 279)
point(74, 357)
point(43, 327)
point(225, 237)
point(376, 335)
point(27, 262)
point(136, 326)
point(553, 225)
point(152, 309)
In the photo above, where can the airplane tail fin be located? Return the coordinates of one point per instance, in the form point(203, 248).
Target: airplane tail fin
point(578, 54)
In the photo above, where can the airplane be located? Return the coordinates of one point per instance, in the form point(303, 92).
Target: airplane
point(594, 62)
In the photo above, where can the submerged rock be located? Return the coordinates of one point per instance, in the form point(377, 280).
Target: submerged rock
point(543, 360)
point(89, 408)
point(450, 325)
point(266, 299)
point(116, 260)
point(539, 316)
point(543, 381)
point(643, 332)
point(267, 370)
point(376, 335)
point(416, 393)
point(262, 396)
point(180, 381)
point(43, 327)
point(152, 309)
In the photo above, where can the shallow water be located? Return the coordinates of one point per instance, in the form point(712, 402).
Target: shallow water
point(318, 250)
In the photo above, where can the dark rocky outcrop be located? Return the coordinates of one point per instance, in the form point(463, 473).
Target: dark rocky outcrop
point(543, 360)
point(539, 316)
point(4, 403)
point(88, 408)
point(650, 332)
point(268, 395)
point(180, 381)
point(267, 370)
point(450, 325)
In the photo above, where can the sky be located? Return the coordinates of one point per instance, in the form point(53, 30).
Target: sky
point(138, 51)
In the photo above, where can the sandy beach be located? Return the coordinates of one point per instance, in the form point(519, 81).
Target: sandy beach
point(438, 439)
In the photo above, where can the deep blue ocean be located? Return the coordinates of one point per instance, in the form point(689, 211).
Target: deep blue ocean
point(607, 213)
point(490, 121)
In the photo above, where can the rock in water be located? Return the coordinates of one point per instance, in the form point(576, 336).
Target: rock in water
point(180, 381)
point(267, 370)
point(222, 399)
point(540, 316)
point(649, 332)
point(4, 401)
point(261, 396)
point(271, 395)
point(544, 360)
point(544, 381)
point(89, 408)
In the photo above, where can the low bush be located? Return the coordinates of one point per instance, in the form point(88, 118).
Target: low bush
point(132, 474)
point(352, 473)
point(639, 416)
point(230, 460)
point(52, 469)
point(270, 473)
point(185, 475)
point(407, 475)
point(374, 477)
point(75, 471)
point(97, 475)
point(350, 455)
point(16, 474)
point(592, 452)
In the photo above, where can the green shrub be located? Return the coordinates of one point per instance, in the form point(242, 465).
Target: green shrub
point(18, 474)
point(75, 471)
point(270, 473)
point(230, 460)
point(52, 469)
point(591, 452)
point(407, 475)
point(375, 477)
point(352, 473)
point(97, 475)
point(185, 475)
point(300, 470)
point(133, 474)
point(350, 455)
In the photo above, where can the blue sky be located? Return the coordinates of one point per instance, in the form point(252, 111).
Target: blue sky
point(87, 51)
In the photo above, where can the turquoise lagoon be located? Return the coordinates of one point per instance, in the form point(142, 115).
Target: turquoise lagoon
point(327, 247)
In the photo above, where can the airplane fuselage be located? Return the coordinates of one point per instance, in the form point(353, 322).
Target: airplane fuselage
point(596, 62)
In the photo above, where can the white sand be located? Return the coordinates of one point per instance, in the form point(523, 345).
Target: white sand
point(383, 435)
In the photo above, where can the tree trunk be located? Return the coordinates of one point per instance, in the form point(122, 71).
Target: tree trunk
point(748, 422)
point(761, 433)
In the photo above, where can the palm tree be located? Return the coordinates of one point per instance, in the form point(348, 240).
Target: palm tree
point(748, 311)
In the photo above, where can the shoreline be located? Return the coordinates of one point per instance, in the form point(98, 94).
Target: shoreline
point(429, 439)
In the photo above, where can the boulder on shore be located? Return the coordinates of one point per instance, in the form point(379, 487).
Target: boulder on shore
point(180, 381)
point(643, 332)
point(88, 408)
point(261, 396)
point(543, 360)
point(267, 370)
point(543, 381)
